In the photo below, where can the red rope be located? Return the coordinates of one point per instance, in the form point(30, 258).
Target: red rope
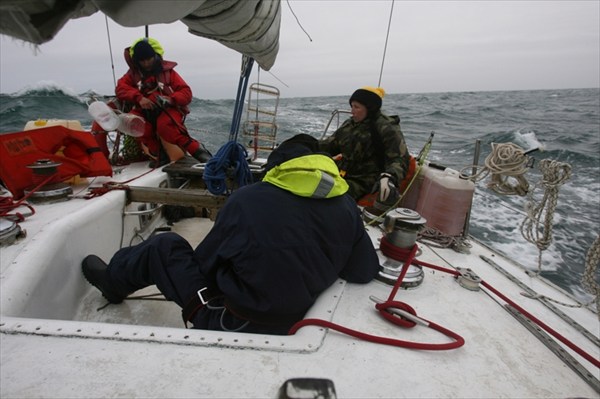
point(407, 255)
point(459, 341)
point(385, 308)
point(401, 254)
point(99, 191)
point(110, 186)
point(531, 317)
point(8, 204)
point(548, 329)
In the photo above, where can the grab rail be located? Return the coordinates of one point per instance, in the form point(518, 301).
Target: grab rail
point(335, 113)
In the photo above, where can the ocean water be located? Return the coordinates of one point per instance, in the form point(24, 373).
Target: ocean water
point(563, 124)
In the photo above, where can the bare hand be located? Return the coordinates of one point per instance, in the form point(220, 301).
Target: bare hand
point(146, 103)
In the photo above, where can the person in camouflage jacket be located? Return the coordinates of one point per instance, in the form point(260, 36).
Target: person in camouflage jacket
point(370, 148)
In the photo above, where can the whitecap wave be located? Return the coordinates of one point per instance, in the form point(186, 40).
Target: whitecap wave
point(46, 86)
point(527, 140)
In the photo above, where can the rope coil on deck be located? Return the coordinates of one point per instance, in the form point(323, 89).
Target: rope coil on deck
point(435, 238)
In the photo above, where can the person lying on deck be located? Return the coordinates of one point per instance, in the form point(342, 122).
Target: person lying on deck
point(275, 246)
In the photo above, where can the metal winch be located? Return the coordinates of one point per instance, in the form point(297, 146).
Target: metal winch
point(50, 192)
point(390, 269)
point(401, 227)
point(9, 231)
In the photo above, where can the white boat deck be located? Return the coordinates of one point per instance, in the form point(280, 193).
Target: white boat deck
point(56, 343)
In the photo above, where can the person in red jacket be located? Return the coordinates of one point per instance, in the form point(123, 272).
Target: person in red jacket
point(161, 96)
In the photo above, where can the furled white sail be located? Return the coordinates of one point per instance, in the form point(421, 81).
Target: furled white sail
point(250, 27)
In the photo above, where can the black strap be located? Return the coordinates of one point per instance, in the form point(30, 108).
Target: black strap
point(206, 294)
point(197, 302)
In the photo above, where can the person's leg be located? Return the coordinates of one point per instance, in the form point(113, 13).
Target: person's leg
point(173, 151)
point(170, 128)
point(165, 260)
point(148, 142)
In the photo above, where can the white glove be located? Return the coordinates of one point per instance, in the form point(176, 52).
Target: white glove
point(386, 187)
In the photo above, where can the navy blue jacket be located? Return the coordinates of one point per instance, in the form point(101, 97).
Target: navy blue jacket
point(260, 257)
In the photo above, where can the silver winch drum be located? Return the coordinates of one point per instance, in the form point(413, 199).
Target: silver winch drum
point(54, 192)
point(401, 226)
point(51, 192)
point(390, 269)
point(373, 215)
point(9, 231)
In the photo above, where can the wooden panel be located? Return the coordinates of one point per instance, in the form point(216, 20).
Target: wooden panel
point(173, 196)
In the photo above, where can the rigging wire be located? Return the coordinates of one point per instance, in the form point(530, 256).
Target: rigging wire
point(305, 32)
point(279, 80)
point(386, 43)
point(298, 21)
point(112, 62)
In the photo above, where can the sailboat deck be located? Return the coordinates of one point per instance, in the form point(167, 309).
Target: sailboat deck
point(52, 318)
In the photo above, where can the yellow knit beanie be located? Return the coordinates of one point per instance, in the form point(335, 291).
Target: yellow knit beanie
point(377, 90)
point(368, 96)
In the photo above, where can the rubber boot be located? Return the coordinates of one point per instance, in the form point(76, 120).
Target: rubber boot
point(202, 154)
point(95, 272)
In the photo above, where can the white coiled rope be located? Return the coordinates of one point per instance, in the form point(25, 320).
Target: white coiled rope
point(506, 162)
point(591, 266)
point(539, 232)
point(533, 229)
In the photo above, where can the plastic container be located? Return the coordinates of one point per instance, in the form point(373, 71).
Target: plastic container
point(445, 200)
point(41, 123)
point(104, 115)
point(410, 199)
point(132, 125)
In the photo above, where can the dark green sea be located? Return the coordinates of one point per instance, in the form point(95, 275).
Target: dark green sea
point(564, 123)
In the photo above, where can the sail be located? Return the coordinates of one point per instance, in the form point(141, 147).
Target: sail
point(250, 27)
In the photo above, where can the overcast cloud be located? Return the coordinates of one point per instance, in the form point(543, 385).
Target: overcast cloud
point(434, 46)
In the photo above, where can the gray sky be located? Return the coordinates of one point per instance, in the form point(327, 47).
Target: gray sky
point(434, 46)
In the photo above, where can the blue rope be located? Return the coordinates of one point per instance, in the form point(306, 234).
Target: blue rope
point(232, 157)
point(247, 63)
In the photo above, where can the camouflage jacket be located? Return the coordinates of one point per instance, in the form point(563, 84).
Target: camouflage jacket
point(362, 162)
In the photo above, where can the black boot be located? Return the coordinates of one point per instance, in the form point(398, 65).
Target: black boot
point(202, 155)
point(95, 272)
